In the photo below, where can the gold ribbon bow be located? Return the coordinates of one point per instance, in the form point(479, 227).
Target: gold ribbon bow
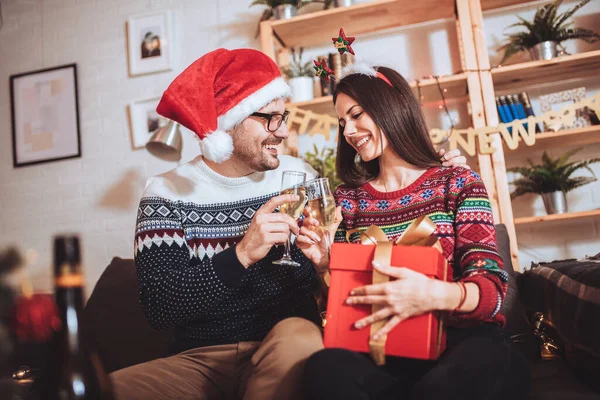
point(419, 233)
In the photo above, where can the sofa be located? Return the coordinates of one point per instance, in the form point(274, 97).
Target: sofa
point(114, 322)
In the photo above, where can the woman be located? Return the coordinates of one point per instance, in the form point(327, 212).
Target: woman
point(392, 175)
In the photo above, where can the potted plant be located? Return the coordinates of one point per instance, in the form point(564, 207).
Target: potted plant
point(547, 30)
point(323, 161)
point(300, 76)
point(279, 9)
point(552, 179)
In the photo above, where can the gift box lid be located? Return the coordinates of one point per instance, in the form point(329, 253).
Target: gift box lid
point(358, 257)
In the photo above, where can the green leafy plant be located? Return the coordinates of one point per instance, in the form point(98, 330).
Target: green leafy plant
point(323, 161)
point(547, 25)
point(297, 68)
point(552, 175)
point(271, 4)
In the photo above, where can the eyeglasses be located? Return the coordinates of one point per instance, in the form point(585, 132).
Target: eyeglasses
point(273, 120)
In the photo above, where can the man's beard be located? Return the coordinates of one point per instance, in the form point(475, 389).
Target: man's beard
point(246, 152)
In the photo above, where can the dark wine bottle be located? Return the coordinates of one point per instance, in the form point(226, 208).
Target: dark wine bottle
point(74, 371)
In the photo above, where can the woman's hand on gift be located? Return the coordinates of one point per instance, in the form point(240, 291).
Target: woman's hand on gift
point(311, 239)
point(411, 294)
point(453, 158)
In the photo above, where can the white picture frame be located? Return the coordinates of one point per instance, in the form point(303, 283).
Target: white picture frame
point(144, 121)
point(150, 43)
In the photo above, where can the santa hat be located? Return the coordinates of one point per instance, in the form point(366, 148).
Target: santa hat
point(220, 90)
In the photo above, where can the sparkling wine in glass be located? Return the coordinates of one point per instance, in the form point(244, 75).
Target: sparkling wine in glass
point(322, 205)
point(292, 182)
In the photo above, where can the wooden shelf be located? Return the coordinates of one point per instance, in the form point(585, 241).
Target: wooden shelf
point(494, 4)
point(571, 216)
point(317, 27)
point(562, 139)
point(456, 86)
point(517, 76)
point(319, 105)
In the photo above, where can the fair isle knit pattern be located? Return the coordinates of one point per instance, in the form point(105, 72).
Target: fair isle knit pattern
point(457, 202)
point(188, 271)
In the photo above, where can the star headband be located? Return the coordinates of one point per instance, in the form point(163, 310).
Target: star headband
point(343, 44)
point(322, 70)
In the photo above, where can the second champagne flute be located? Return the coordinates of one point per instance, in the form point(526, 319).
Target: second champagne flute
point(292, 182)
point(322, 205)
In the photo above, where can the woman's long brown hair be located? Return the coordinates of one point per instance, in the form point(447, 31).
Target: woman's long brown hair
point(397, 113)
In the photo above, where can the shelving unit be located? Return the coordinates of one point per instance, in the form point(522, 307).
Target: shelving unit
point(514, 77)
point(364, 18)
point(455, 85)
point(375, 16)
point(478, 85)
point(564, 138)
point(557, 218)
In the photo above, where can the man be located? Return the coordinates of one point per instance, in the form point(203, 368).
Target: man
point(207, 235)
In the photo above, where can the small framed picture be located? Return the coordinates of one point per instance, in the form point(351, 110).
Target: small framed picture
point(45, 115)
point(144, 121)
point(150, 43)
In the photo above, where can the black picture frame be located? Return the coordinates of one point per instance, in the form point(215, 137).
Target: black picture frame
point(45, 115)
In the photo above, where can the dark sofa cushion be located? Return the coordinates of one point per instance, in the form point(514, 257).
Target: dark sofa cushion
point(114, 323)
point(517, 323)
point(567, 292)
point(554, 380)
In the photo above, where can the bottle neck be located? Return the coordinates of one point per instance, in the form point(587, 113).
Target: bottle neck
point(69, 301)
point(69, 297)
point(68, 283)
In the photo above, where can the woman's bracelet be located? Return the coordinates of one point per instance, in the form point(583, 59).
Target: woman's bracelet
point(463, 296)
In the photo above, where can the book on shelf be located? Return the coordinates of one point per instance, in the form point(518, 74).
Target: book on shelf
point(515, 106)
point(524, 97)
point(506, 115)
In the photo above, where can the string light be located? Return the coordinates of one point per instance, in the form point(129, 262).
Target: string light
point(445, 106)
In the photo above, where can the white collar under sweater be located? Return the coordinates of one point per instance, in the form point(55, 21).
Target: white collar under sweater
point(196, 182)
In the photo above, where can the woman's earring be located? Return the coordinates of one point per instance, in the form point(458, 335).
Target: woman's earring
point(357, 159)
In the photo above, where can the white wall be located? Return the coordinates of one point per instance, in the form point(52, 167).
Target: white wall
point(97, 195)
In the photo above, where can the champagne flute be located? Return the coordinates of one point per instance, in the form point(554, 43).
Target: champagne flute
point(322, 205)
point(292, 182)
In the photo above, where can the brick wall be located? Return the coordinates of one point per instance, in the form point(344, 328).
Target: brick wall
point(97, 195)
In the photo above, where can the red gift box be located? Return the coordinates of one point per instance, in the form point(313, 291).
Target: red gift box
point(420, 337)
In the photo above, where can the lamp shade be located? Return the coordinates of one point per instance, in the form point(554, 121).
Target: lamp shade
point(166, 142)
